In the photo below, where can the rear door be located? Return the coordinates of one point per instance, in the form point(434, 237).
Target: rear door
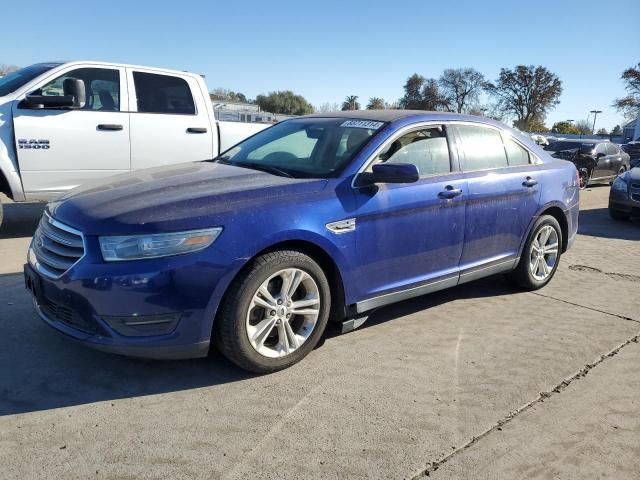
point(502, 198)
point(61, 148)
point(603, 165)
point(169, 119)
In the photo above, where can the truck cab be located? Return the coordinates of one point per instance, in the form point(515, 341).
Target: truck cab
point(65, 124)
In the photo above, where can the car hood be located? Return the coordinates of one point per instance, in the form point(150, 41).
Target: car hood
point(172, 198)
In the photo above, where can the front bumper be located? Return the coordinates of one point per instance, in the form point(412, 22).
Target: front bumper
point(627, 202)
point(92, 301)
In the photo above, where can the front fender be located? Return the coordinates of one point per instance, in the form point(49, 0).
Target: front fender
point(8, 160)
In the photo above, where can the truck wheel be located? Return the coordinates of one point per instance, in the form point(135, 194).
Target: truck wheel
point(1, 213)
point(540, 256)
point(274, 313)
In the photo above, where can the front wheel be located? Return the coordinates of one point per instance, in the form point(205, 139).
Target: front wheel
point(274, 313)
point(540, 256)
point(585, 176)
point(621, 170)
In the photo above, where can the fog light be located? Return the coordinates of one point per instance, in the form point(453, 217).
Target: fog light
point(144, 325)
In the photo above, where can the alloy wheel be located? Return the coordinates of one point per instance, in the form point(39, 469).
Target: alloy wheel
point(283, 313)
point(543, 254)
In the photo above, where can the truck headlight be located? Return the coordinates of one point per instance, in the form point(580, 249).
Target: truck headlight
point(138, 247)
point(620, 184)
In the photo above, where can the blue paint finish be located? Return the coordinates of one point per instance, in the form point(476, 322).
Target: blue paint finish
point(406, 235)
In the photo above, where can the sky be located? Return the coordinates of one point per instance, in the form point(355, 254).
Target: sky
point(326, 49)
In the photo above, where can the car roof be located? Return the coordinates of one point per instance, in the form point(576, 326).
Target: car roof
point(393, 115)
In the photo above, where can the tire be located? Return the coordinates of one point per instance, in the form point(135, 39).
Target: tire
point(618, 215)
point(523, 275)
point(585, 177)
point(1, 213)
point(241, 313)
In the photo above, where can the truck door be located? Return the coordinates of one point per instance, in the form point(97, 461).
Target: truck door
point(169, 120)
point(61, 148)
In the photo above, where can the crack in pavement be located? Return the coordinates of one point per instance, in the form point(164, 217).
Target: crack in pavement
point(434, 465)
point(622, 317)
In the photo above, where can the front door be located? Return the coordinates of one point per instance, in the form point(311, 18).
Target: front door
point(169, 120)
point(59, 149)
point(503, 197)
point(411, 235)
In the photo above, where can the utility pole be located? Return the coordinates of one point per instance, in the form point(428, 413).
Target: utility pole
point(595, 115)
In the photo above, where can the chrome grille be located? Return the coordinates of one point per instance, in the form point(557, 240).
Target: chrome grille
point(56, 247)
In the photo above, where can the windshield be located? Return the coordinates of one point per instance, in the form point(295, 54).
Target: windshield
point(304, 147)
point(13, 81)
point(565, 145)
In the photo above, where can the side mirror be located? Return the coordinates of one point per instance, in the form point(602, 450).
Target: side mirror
point(74, 96)
point(389, 173)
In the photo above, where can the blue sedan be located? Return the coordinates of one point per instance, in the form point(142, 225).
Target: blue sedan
point(319, 218)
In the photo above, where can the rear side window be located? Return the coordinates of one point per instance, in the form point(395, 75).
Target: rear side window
point(483, 148)
point(516, 154)
point(163, 94)
point(612, 149)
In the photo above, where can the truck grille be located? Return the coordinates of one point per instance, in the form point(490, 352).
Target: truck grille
point(56, 247)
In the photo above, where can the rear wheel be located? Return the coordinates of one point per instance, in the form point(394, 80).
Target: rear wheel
point(274, 313)
point(540, 256)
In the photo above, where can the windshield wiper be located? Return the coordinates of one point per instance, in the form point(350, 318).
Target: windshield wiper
point(263, 168)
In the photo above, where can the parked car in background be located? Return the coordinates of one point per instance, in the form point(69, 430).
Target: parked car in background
point(595, 160)
point(64, 124)
point(329, 214)
point(633, 150)
point(624, 198)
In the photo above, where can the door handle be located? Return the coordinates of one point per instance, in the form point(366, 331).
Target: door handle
point(196, 130)
point(110, 126)
point(449, 192)
point(529, 182)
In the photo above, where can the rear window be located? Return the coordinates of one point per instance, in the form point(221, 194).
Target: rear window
point(163, 94)
point(564, 145)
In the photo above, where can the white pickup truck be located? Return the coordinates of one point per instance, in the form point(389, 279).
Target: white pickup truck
point(63, 124)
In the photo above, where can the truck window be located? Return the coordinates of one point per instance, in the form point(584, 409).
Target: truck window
point(101, 84)
point(163, 94)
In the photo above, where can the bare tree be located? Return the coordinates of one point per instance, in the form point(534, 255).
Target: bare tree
point(461, 87)
point(526, 92)
point(583, 127)
point(630, 105)
point(329, 107)
point(6, 69)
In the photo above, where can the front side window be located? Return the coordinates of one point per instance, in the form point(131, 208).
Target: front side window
point(612, 149)
point(102, 87)
point(163, 94)
point(304, 147)
point(516, 154)
point(601, 148)
point(426, 148)
point(483, 148)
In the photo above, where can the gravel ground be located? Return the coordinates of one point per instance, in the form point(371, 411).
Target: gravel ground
point(481, 381)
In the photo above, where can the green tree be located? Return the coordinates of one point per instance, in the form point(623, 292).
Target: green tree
point(602, 131)
point(422, 93)
point(461, 87)
point(630, 105)
point(285, 102)
point(617, 130)
point(536, 125)
point(526, 93)
point(376, 103)
point(564, 128)
point(351, 103)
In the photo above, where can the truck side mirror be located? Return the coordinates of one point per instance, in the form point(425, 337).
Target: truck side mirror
point(74, 96)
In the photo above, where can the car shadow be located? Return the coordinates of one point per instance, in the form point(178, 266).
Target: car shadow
point(42, 370)
point(597, 223)
point(20, 219)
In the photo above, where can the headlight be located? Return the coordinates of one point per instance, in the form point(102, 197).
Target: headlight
point(137, 247)
point(620, 184)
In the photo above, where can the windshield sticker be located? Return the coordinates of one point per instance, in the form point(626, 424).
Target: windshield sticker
point(368, 124)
